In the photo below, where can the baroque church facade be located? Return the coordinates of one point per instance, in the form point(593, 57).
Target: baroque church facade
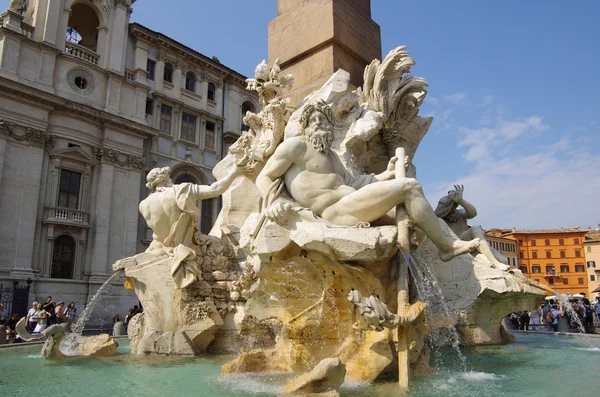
point(89, 103)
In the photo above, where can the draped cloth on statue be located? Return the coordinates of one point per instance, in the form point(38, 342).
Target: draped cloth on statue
point(178, 207)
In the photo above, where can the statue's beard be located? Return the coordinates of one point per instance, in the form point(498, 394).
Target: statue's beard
point(321, 138)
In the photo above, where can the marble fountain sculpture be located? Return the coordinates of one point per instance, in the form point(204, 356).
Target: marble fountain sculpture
point(307, 266)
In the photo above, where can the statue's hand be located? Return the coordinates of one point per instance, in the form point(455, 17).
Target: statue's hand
point(458, 196)
point(390, 172)
point(278, 211)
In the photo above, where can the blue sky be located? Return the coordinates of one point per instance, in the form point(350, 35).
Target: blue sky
point(513, 88)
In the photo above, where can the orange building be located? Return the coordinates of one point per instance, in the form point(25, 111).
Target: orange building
point(592, 260)
point(554, 257)
point(506, 246)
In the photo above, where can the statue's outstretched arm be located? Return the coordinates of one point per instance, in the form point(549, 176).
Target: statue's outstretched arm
point(202, 192)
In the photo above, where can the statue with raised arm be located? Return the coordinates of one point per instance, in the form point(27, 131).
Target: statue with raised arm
point(447, 209)
point(315, 178)
point(171, 212)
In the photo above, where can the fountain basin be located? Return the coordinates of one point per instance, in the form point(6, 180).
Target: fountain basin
point(537, 365)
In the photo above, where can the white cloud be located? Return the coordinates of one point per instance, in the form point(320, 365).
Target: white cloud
point(456, 98)
point(523, 179)
point(432, 100)
point(486, 101)
point(482, 141)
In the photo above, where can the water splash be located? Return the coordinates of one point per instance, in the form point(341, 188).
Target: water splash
point(69, 344)
point(430, 292)
point(564, 302)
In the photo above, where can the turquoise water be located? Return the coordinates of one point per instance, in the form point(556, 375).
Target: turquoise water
point(535, 366)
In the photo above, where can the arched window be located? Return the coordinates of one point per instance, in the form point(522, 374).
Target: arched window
point(168, 75)
point(212, 92)
point(185, 178)
point(190, 81)
point(63, 257)
point(82, 27)
point(247, 107)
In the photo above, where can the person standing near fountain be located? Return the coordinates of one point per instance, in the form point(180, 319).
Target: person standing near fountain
point(32, 317)
point(42, 319)
point(447, 209)
point(49, 307)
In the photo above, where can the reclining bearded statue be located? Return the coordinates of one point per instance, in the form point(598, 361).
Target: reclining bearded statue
point(316, 179)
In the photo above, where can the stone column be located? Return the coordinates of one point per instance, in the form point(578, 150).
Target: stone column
point(3, 142)
point(102, 46)
point(159, 72)
point(219, 96)
point(51, 24)
point(101, 223)
point(203, 90)
point(176, 125)
point(63, 23)
point(25, 230)
point(85, 188)
point(177, 79)
point(120, 26)
point(53, 183)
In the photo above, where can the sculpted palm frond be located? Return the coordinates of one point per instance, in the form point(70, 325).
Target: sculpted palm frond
point(389, 89)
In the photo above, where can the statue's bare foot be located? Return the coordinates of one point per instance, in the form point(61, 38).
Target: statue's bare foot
point(459, 247)
point(500, 265)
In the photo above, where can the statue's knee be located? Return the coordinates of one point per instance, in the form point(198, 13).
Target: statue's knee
point(413, 184)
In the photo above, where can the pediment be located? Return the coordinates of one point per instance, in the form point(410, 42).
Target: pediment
point(73, 153)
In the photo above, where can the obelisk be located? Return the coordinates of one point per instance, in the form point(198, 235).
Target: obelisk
point(314, 38)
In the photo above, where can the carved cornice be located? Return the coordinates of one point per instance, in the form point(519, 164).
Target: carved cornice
point(179, 50)
point(31, 135)
point(112, 156)
point(50, 101)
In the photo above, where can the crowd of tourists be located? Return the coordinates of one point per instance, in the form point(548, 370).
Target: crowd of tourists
point(580, 314)
point(39, 317)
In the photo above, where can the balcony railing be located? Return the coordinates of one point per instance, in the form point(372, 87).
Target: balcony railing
point(68, 216)
point(550, 274)
point(82, 53)
point(129, 75)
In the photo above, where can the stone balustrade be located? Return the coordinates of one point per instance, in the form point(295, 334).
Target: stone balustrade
point(66, 216)
point(129, 75)
point(81, 52)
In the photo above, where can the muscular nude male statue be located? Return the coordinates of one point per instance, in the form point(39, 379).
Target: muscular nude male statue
point(315, 177)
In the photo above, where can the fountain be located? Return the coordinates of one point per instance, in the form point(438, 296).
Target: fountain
point(313, 290)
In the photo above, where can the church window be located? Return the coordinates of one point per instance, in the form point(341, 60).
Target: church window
point(209, 139)
point(212, 90)
point(190, 82)
point(63, 257)
point(68, 192)
point(150, 68)
point(188, 127)
point(168, 75)
point(165, 118)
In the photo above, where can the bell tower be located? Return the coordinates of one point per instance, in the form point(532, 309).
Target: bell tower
point(313, 39)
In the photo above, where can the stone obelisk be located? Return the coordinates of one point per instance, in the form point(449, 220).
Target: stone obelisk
point(314, 38)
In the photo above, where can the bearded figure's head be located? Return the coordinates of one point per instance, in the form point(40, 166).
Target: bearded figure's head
point(158, 177)
point(317, 124)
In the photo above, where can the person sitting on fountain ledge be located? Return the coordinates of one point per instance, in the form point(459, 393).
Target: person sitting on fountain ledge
point(170, 211)
point(316, 179)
